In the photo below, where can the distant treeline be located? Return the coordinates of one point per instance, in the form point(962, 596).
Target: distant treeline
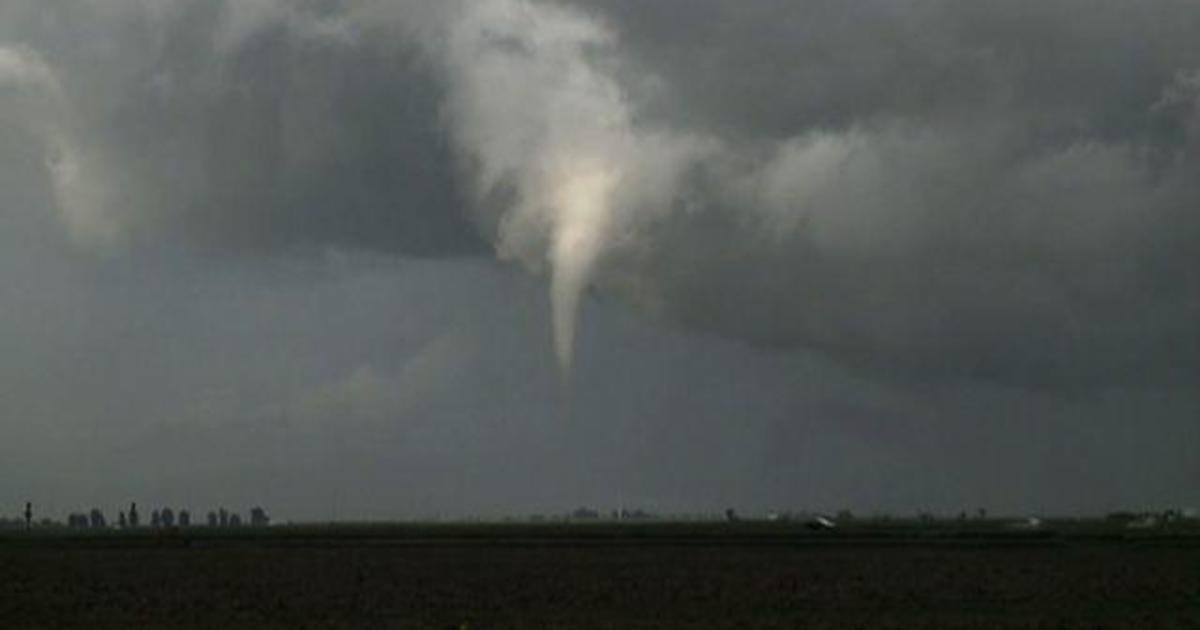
point(164, 518)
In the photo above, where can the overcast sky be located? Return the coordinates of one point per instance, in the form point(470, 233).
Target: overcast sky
point(389, 259)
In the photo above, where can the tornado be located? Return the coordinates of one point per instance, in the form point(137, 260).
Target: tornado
point(583, 219)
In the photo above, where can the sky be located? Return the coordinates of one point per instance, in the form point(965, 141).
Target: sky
point(389, 259)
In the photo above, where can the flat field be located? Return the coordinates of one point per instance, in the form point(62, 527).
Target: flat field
point(600, 576)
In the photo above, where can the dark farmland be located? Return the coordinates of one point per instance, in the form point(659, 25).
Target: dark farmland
point(602, 576)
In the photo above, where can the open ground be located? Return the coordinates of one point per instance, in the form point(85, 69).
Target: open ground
point(699, 575)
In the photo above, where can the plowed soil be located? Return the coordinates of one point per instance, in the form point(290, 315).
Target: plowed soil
point(560, 580)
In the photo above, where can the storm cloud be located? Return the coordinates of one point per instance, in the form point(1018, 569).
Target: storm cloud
point(1004, 190)
point(951, 215)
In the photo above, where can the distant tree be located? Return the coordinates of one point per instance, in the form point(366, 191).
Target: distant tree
point(185, 518)
point(259, 518)
point(168, 517)
point(28, 515)
point(77, 521)
point(121, 521)
point(212, 519)
point(134, 518)
point(235, 520)
point(585, 514)
point(96, 519)
point(731, 515)
point(155, 519)
point(223, 517)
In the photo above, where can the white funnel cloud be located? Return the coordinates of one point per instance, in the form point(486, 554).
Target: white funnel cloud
point(584, 213)
point(532, 113)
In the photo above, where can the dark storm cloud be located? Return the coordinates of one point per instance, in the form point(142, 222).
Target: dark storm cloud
point(252, 125)
point(996, 190)
point(775, 68)
point(961, 239)
point(1002, 190)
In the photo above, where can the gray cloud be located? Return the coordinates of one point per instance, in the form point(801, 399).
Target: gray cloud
point(1000, 191)
point(250, 126)
point(812, 253)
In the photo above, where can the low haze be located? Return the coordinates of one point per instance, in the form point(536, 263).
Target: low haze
point(366, 259)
